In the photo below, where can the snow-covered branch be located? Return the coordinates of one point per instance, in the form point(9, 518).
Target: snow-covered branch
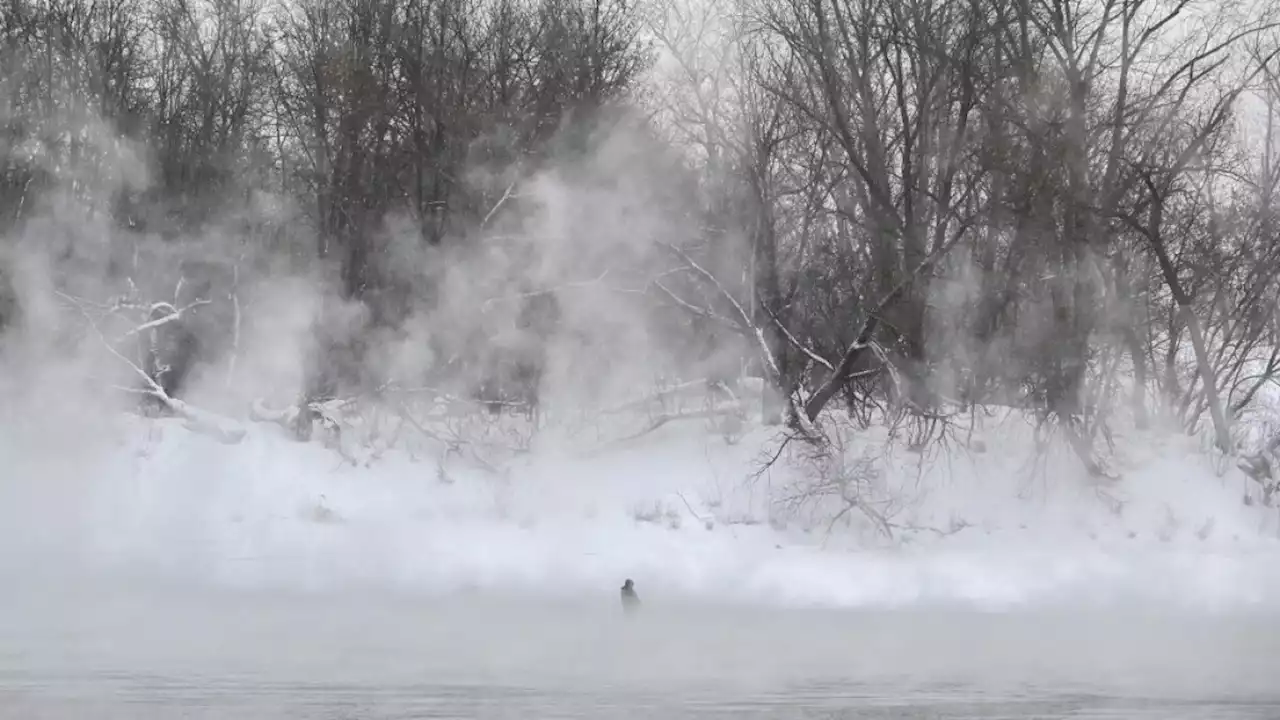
point(693, 309)
point(808, 352)
point(496, 206)
point(171, 314)
point(220, 428)
point(742, 317)
point(863, 343)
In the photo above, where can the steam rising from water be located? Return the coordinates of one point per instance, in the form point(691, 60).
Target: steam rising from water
point(83, 489)
point(267, 654)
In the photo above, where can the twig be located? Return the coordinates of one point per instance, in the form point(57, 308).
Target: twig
point(774, 459)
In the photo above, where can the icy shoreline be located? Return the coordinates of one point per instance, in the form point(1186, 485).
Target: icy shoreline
point(675, 510)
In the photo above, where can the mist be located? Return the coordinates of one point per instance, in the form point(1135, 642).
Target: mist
point(281, 653)
point(663, 248)
point(340, 328)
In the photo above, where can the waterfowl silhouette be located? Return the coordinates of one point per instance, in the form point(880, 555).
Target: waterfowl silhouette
point(630, 600)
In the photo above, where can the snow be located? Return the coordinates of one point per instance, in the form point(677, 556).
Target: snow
point(983, 520)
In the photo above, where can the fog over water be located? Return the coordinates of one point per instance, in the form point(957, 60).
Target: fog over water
point(914, 419)
point(126, 652)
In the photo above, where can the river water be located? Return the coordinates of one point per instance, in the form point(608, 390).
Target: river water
point(124, 652)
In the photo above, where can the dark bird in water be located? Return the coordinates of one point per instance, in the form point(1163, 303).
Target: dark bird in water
point(630, 600)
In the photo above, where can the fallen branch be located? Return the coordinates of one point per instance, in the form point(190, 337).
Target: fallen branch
point(224, 430)
point(654, 396)
point(665, 418)
point(221, 428)
point(956, 527)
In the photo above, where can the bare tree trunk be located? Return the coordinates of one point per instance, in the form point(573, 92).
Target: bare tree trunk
point(1222, 431)
point(1139, 360)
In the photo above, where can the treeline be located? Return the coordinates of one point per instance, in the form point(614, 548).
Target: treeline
point(1025, 202)
point(925, 202)
point(172, 116)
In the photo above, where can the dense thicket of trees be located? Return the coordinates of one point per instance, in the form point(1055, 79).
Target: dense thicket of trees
point(1016, 201)
point(352, 111)
point(925, 202)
